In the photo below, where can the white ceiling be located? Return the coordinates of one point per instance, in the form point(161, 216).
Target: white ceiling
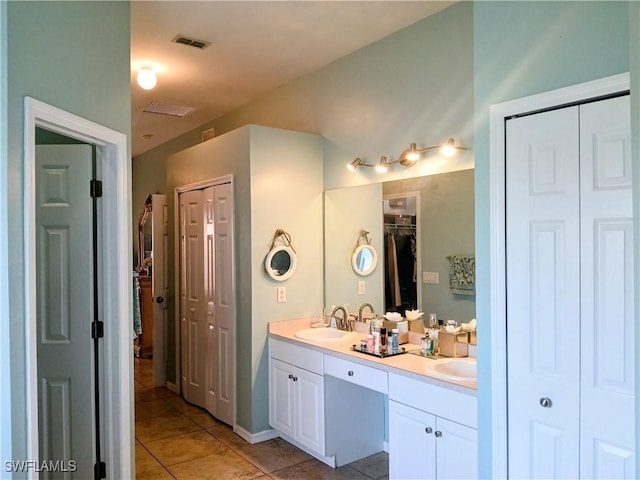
point(256, 46)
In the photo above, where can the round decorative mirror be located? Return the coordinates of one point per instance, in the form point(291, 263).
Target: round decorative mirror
point(281, 260)
point(281, 263)
point(364, 259)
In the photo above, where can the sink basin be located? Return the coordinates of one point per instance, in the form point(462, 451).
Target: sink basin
point(459, 369)
point(321, 334)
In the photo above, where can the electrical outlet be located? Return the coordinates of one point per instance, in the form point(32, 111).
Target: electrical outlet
point(282, 294)
point(361, 287)
point(431, 277)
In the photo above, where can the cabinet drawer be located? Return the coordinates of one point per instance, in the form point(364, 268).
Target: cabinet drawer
point(443, 402)
point(302, 357)
point(356, 373)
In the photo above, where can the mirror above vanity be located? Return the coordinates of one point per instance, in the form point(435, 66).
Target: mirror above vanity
point(443, 227)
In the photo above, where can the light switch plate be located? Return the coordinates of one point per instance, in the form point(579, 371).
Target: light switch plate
point(282, 294)
point(431, 277)
point(362, 289)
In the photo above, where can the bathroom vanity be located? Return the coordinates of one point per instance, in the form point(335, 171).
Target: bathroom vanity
point(337, 404)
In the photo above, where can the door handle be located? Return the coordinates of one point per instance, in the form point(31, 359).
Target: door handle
point(546, 402)
point(159, 299)
point(428, 430)
point(438, 433)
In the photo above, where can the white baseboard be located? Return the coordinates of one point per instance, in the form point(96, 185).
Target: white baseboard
point(256, 437)
point(385, 446)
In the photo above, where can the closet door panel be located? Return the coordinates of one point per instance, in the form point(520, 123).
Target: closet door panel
point(607, 310)
point(543, 294)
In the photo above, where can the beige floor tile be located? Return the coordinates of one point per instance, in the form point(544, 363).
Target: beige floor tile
point(148, 467)
point(163, 392)
point(316, 470)
point(273, 455)
point(225, 434)
point(375, 466)
point(145, 395)
point(158, 428)
point(180, 404)
point(216, 467)
point(202, 418)
point(154, 408)
point(183, 448)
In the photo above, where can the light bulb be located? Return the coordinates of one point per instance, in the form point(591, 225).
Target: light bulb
point(449, 150)
point(382, 166)
point(147, 78)
point(353, 165)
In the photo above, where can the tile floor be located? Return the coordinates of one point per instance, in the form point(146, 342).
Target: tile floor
point(175, 439)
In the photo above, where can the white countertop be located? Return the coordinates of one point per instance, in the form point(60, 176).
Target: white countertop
point(407, 364)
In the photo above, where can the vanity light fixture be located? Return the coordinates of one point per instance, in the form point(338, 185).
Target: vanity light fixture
point(146, 77)
point(412, 154)
point(382, 165)
point(409, 157)
point(354, 164)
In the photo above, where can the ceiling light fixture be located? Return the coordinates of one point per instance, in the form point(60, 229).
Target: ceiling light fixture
point(382, 165)
point(146, 77)
point(354, 164)
point(409, 157)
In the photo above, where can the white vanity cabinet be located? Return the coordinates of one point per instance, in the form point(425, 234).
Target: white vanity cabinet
point(432, 431)
point(296, 394)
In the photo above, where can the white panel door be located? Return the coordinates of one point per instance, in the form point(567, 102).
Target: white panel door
point(160, 286)
point(224, 304)
point(607, 410)
point(412, 443)
point(543, 295)
point(193, 299)
point(65, 307)
point(211, 368)
point(309, 401)
point(456, 451)
point(281, 397)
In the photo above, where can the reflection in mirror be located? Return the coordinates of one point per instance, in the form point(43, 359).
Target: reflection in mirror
point(401, 252)
point(364, 260)
point(444, 227)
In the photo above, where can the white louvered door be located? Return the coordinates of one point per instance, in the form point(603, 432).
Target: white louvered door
point(570, 293)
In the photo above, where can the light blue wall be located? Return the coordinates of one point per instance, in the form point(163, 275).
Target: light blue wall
point(523, 48)
point(73, 55)
point(277, 184)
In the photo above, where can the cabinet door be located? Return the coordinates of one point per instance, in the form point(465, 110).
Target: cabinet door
point(281, 397)
point(457, 452)
point(412, 443)
point(309, 409)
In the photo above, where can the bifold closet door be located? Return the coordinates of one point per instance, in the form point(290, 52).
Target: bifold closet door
point(193, 303)
point(570, 293)
point(607, 311)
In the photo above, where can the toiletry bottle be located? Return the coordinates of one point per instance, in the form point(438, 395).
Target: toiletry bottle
point(370, 343)
point(395, 337)
point(376, 342)
point(383, 341)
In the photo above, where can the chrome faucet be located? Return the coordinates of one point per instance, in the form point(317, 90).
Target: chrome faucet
point(362, 307)
point(344, 323)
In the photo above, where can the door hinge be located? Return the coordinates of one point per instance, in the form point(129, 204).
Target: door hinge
point(97, 329)
point(100, 470)
point(95, 188)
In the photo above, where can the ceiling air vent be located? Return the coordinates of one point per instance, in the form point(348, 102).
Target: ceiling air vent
point(168, 109)
point(191, 42)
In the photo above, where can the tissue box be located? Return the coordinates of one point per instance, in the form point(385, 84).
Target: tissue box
point(453, 344)
point(416, 325)
point(403, 329)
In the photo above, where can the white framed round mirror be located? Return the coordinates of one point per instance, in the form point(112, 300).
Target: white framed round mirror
point(364, 259)
point(281, 263)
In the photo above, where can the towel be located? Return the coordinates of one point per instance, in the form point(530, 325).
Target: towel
point(462, 274)
point(137, 314)
point(392, 271)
